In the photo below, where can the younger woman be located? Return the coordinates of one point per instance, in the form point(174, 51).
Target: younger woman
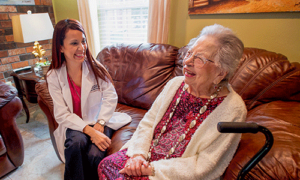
point(84, 101)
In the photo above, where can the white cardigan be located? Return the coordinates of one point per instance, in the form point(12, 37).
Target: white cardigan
point(207, 154)
point(96, 104)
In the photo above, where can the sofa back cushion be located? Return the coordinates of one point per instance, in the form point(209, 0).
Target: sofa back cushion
point(140, 71)
point(265, 76)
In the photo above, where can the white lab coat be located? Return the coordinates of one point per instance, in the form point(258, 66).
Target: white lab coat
point(96, 104)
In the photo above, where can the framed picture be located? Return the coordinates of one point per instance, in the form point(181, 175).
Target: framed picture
point(242, 6)
point(17, 2)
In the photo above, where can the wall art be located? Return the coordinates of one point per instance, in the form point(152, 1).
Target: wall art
point(242, 6)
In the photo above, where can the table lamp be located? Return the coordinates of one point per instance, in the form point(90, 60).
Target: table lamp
point(33, 27)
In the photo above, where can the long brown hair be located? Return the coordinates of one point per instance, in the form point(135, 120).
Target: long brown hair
point(58, 58)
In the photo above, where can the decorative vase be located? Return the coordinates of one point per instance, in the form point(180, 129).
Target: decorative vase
point(44, 69)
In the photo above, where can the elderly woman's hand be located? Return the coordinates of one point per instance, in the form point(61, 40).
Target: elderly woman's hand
point(137, 166)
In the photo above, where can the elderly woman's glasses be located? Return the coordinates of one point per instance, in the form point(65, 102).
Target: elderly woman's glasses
point(198, 60)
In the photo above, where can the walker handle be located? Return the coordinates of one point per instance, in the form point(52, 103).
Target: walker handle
point(237, 127)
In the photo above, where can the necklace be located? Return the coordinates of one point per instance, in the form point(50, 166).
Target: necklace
point(192, 124)
point(71, 80)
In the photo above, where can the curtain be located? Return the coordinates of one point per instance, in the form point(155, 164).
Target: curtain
point(89, 20)
point(158, 21)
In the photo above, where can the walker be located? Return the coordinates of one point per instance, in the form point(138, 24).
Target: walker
point(243, 127)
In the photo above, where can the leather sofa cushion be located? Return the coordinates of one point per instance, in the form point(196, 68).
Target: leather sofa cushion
point(123, 134)
point(265, 76)
point(140, 71)
point(280, 162)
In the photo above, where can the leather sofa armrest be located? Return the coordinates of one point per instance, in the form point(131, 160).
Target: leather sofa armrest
point(9, 131)
point(7, 93)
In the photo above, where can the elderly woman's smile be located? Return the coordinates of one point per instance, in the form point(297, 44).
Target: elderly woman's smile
point(188, 73)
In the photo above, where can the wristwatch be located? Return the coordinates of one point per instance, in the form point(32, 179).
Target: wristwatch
point(101, 122)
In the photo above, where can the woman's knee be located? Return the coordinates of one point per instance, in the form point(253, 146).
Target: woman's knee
point(95, 155)
point(76, 140)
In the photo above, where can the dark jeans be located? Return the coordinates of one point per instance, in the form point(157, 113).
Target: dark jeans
point(82, 156)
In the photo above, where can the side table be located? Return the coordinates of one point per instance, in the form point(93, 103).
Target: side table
point(25, 79)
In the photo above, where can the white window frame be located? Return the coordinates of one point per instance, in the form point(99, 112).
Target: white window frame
point(129, 30)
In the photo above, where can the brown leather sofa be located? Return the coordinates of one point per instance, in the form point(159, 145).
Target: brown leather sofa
point(11, 142)
point(267, 81)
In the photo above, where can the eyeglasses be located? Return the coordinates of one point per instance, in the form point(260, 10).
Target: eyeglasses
point(198, 60)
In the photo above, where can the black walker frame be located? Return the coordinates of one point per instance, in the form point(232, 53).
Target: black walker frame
point(243, 127)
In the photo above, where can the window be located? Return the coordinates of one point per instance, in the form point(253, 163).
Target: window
point(122, 21)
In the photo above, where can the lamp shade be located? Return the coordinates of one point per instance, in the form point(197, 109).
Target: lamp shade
point(32, 27)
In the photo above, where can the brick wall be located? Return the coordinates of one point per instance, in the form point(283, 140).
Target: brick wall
point(16, 55)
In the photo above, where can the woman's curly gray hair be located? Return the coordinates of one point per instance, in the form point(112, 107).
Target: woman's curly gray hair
point(229, 48)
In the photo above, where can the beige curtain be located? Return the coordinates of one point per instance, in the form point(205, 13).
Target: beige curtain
point(158, 21)
point(89, 20)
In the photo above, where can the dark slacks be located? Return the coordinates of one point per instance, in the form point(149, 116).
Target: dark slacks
point(82, 156)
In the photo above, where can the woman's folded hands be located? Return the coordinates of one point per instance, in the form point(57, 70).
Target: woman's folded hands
point(137, 166)
point(97, 137)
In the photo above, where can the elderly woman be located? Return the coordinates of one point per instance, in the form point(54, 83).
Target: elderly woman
point(178, 137)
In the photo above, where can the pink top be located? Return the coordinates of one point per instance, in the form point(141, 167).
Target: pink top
point(75, 98)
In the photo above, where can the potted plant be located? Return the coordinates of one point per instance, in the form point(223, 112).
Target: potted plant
point(43, 66)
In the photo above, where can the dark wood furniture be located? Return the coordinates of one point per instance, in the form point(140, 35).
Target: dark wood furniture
point(25, 79)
